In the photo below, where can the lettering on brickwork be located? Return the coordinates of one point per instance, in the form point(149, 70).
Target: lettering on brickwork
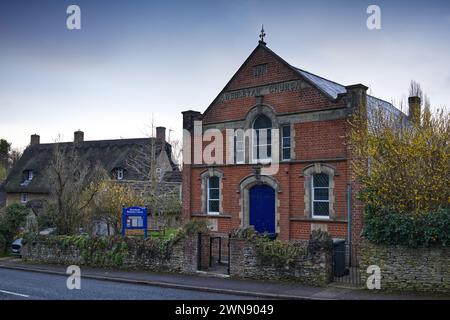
point(288, 86)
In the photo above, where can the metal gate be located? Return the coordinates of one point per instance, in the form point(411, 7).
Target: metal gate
point(345, 264)
point(214, 253)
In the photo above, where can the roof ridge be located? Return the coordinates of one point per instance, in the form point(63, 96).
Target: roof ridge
point(88, 141)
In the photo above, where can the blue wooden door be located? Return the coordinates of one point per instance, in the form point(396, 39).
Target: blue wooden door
point(262, 209)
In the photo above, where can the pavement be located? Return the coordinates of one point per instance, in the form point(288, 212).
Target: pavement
point(210, 285)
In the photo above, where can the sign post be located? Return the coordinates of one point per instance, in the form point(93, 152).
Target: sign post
point(134, 218)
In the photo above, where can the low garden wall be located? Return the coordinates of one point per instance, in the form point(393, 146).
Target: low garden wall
point(307, 262)
point(113, 252)
point(251, 256)
point(409, 269)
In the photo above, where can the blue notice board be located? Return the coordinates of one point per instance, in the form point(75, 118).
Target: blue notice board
point(134, 218)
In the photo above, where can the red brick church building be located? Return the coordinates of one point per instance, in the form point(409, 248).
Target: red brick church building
point(311, 187)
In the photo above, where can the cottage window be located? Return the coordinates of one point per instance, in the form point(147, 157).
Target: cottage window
point(213, 200)
point(24, 197)
point(262, 139)
point(158, 173)
point(120, 174)
point(286, 143)
point(320, 196)
point(239, 147)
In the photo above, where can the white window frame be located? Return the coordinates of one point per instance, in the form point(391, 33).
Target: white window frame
point(256, 146)
point(24, 197)
point(239, 147)
point(120, 174)
point(208, 196)
point(313, 200)
point(282, 143)
point(30, 175)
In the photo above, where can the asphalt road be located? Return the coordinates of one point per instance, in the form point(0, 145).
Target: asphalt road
point(16, 284)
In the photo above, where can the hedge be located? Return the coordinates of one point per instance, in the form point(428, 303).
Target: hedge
point(386, 226)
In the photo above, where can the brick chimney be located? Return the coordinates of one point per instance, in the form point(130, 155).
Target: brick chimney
point(78, 136)
point(161, 133)
point(35, 139)
point(414, 109)
point(189, 117)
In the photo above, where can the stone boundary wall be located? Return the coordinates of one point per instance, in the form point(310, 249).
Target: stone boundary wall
point(182, 256)
point(313, 268)
point(408, 269)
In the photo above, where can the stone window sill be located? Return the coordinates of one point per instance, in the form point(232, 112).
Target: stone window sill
point(211, 215)
point(298, 218)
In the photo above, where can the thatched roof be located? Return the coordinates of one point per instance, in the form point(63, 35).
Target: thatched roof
point(110, 154)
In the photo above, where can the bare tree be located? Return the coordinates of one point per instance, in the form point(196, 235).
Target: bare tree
point(73, 184)
point(162, 198)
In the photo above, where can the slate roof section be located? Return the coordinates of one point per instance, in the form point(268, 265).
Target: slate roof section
point(172, 176)
point(333, 89)
point(110, 154)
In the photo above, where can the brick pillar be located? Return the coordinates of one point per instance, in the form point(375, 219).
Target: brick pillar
point(357, 102)
point(188, 148)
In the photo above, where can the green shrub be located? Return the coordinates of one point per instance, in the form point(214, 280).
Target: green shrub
point(385, 226)
point(192, 227)
point(11, 221)
point(271, 252)
point(2, 244)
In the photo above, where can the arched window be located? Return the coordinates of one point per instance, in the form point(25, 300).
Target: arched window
point(262, 139)
point(320, 195)
point(213, 200)
point(319, 187)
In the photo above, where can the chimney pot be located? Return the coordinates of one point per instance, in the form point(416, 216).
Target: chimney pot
point(78, 136)
point(414, 109)
point(35, 139)
point(161, 133)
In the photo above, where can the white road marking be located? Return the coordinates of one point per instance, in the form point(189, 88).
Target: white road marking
point(15, 294)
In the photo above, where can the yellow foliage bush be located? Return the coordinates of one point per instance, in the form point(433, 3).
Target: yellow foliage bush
point(402, 165)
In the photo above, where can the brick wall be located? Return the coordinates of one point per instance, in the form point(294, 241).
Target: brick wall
point(316, 138)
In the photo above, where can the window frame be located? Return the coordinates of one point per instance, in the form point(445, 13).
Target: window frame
point(120, 174)
point(208, 197)
point(313, 200)
point(239, 138)
point(256, 145)
point(23, 197)
point(283, 137)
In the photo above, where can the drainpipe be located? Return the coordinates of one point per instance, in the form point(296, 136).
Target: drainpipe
point(349, 222)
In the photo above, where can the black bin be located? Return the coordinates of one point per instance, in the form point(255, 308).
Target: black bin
point(339, 269)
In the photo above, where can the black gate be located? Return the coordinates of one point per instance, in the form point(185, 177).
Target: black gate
point(213, 253)
point(345, 263)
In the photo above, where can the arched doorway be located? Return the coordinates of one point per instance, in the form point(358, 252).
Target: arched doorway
point(262, 208)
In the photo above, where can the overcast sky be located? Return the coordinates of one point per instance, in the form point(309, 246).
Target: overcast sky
point(134, 60)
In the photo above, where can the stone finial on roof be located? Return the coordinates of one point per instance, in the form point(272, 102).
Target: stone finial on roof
point(262, 35)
